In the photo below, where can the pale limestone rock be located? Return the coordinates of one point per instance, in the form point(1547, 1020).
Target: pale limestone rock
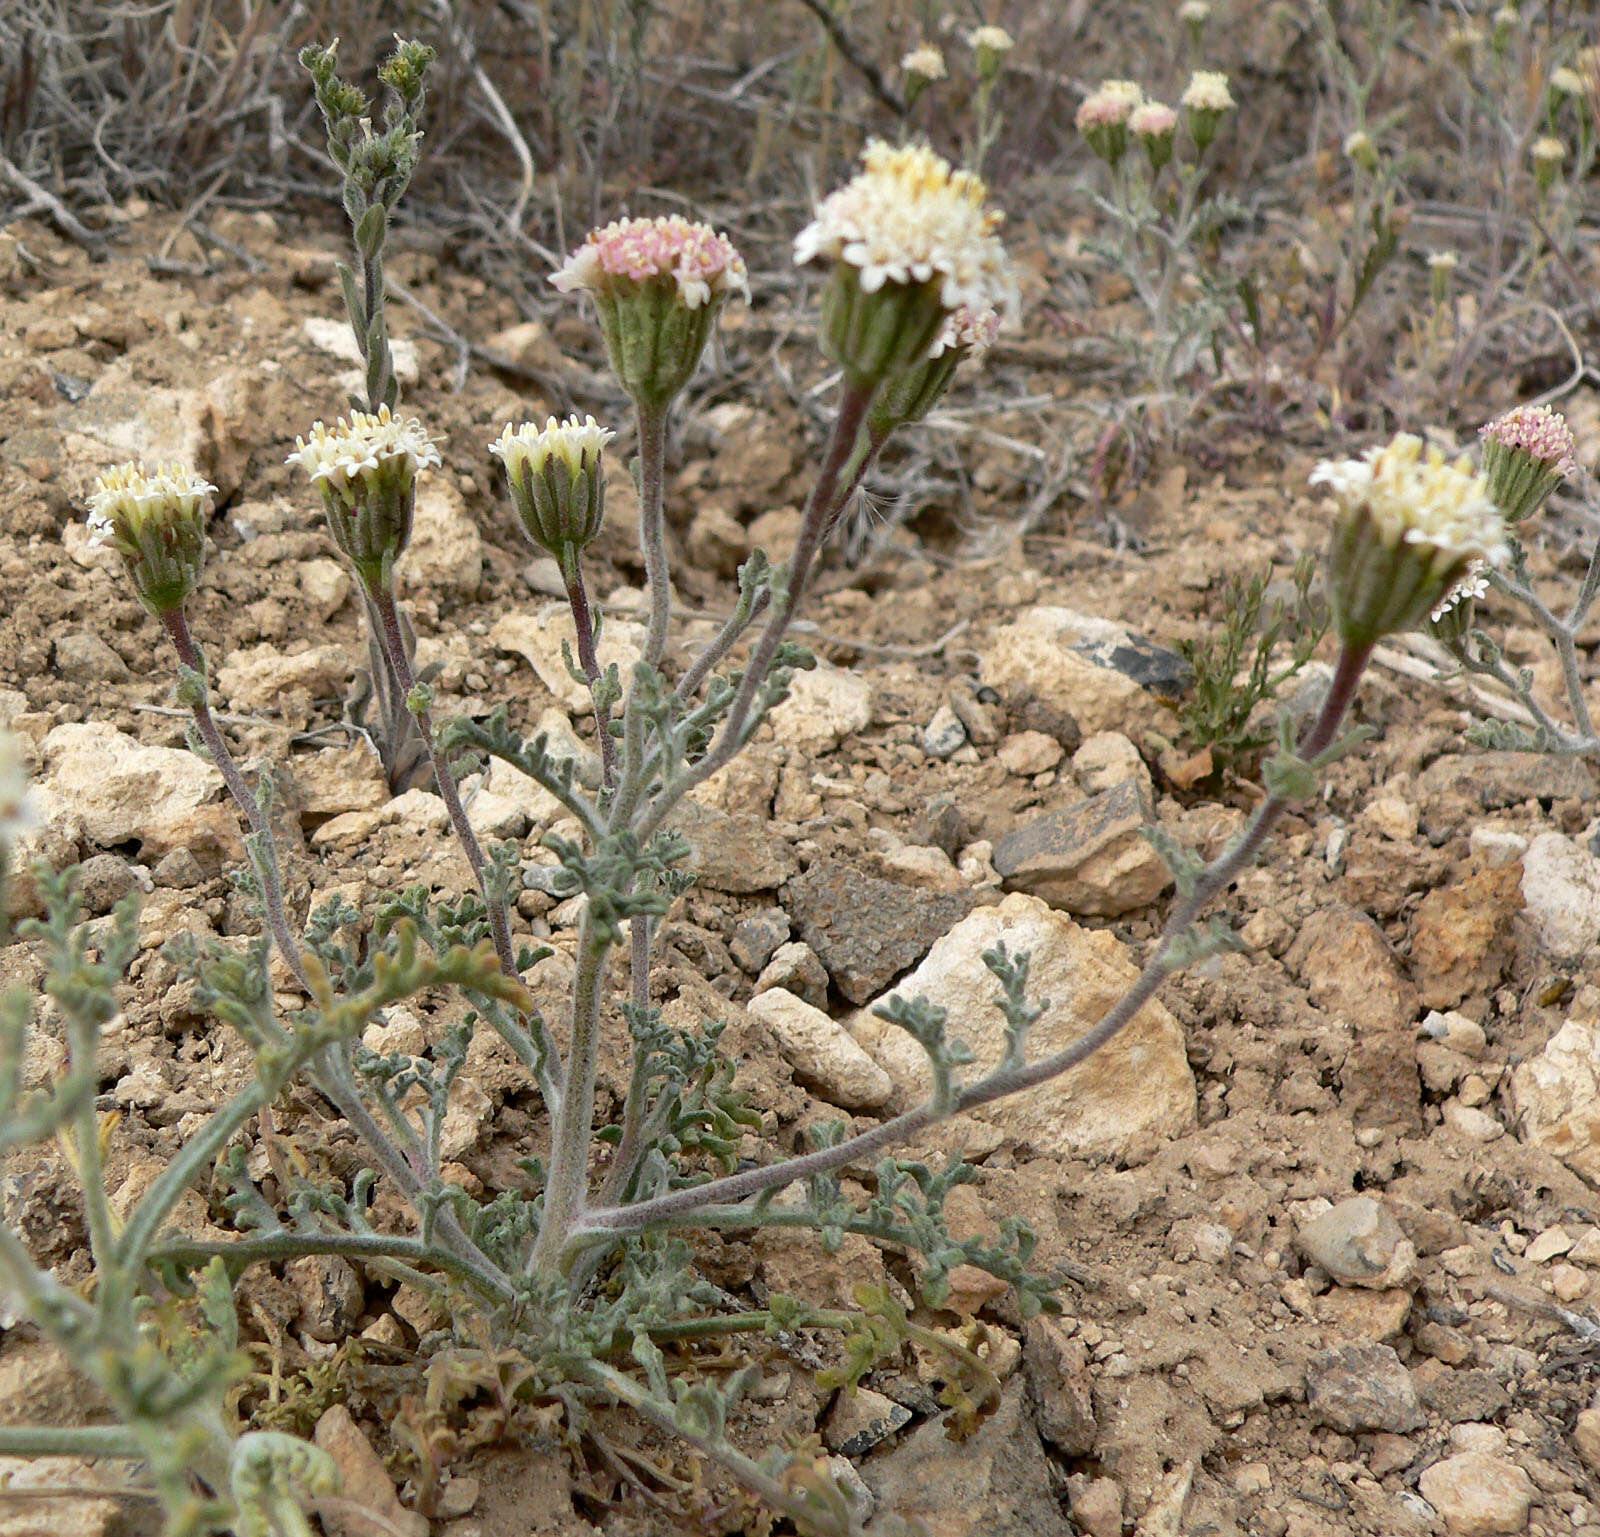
point(419, 809)
point(1122, 1102)
point(445, 556)
point(537, 638)
point(504, 802)
point(1026, 753)
point(338, 779)
point(1036, 652)
point(1359, 1243)
point(337, 340)
point(822, 1052)
point(254, 678)
point(325, 584)
point(825, 705)
point(1108, 759)
point(211, 429)
point(117, 790)
point(1561, 894)
point(1556, 1095)
point(1478, 1495)
point(366, 1485)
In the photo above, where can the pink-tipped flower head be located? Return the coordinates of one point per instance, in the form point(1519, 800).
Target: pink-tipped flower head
point(1153, 124)
point(910, 240)
point(156, 520)
point(658, 286)
point(1408, 526)
point(1103, 117)
point(365, 466)
point(1527, 453)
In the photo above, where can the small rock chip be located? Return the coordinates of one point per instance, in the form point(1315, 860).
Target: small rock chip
point(943, 734)
point(1359, 1244)
point(1561, 894)
point(1360, 1388)
point(1108, 759)
point(757, 937)
point(1098, 1509)
point(860, 1420)
point(329, 1292)
point(1586, 1437)
point(1091, 859)
point(796, 967)
point(82, 657)
point(1026, 753)
point(1478, 1495)
point(822, 1052)
point(364, 1483)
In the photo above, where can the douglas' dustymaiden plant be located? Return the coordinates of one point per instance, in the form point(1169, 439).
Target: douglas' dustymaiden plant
point(575, 1273)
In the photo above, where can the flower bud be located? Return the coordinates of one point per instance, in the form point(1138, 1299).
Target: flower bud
point(1103, 117)
point(1206, 98)
point(157, 521)
point(1527, 453)
point(909, 395)
point(658, 286)
point(1452, 617)
point(911, 241)
point(1441, 274)
point(1407, 527)
point(1153, 124)
point(366, 469)
point(1360, 150)
point(1547, 154)
point(991, 45)
point(556, 485)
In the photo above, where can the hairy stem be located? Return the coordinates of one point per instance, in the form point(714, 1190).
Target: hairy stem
point(603, 1223)
point(589, 661)
point(652, 421)
point(493, 901)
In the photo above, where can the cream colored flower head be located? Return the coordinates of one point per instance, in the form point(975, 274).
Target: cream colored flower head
point(1550, 150)
point(1566, 82)
point(16, 808)
point(703, 264)
point(1414, 495)
point(127, 499)
point(1109, 105)
point(926, 63)
point(908, 217)
point(362, 445)
point(990, 40)
point(1207, 91)
point(1194, 13)
point(576, 444)
point(1443, 261)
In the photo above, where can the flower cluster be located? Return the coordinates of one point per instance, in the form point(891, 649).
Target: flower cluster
point(658, 286)
point(925, 63)
point(1116, 108)
point(916, 232)
point(1526, 454)
point(556, 487)
point(701, 264)
point(156, 520)
point(366, 468)
point(1409, 525)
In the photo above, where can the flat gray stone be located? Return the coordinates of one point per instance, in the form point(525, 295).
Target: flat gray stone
point(866, 931)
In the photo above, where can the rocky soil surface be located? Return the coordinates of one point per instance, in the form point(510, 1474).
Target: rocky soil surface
point(1327, 1214)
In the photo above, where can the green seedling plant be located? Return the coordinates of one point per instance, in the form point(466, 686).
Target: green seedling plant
point(1242, 666)
point(571, 1290)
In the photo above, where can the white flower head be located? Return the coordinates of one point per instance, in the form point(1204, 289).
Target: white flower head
point(990, 40)
point(1416, 496)
point(17, 814)
point(1194, 13)
point(576, 444)
point(926, 63)
point(363, 445)
point(1443, 261)
point(971, 333)
point(130, 497)
point(908, 217)
point(1207, 91)
point(1566, 82)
